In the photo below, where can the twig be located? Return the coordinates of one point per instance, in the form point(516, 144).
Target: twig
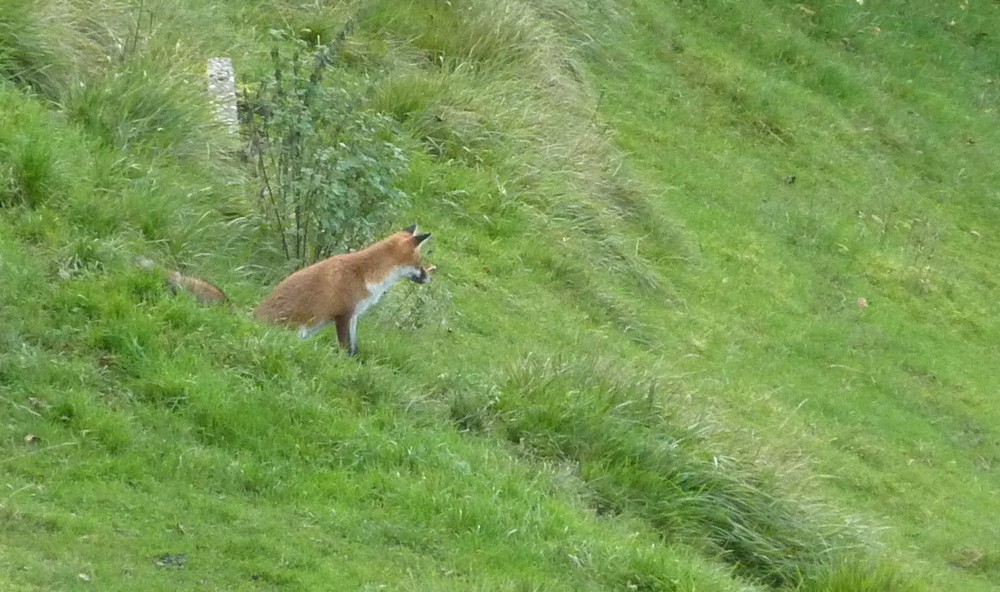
point(257, 146)
point(22, 407)
point(15, 492)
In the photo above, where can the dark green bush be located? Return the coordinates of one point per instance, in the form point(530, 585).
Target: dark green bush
point(327, 164)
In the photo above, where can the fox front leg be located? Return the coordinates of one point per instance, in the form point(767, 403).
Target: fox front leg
point(346, 334)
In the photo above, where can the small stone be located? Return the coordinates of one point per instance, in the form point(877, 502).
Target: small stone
point(174, 560)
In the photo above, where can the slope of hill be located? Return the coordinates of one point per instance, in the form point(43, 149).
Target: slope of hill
point(712, 310)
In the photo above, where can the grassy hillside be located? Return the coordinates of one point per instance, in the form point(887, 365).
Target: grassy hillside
point(885, 115)
point(712, 310)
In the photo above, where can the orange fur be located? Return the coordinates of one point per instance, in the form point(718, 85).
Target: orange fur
point(339, 289)
point(203, 291)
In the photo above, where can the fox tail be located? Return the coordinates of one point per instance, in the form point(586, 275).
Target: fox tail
point(203, 291)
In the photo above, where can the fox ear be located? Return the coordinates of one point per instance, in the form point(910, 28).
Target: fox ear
point(411, 229)
point(421, 238)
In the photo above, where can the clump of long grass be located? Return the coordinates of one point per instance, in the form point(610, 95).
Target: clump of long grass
point(107, 129)
point(643, 459)
point(40, 159)
point(111, 67)
point(496, 88)
point(143, 107)
point(859, 574)
point(38, 47)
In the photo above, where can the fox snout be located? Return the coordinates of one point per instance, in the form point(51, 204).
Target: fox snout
point(421, 276)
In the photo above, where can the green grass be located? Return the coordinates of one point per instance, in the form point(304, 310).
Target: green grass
point(642, 364)
point(883, 207)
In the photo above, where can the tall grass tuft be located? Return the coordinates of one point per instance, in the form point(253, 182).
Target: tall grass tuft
point(497, 89)
point(144, 108)
point(37, 45)
point(41, 159)
point(859, 574)
point(638, 459)
point(50, 46)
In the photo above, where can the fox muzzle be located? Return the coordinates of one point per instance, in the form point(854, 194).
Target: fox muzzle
point(421, 277)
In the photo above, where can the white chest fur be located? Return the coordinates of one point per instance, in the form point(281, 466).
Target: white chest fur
point(375, 291)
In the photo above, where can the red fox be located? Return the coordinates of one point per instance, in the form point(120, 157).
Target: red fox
point(341, 288)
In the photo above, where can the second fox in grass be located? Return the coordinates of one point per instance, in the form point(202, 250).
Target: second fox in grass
point(341, 288)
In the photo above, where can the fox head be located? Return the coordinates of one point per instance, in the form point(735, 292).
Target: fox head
point(407, 245)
